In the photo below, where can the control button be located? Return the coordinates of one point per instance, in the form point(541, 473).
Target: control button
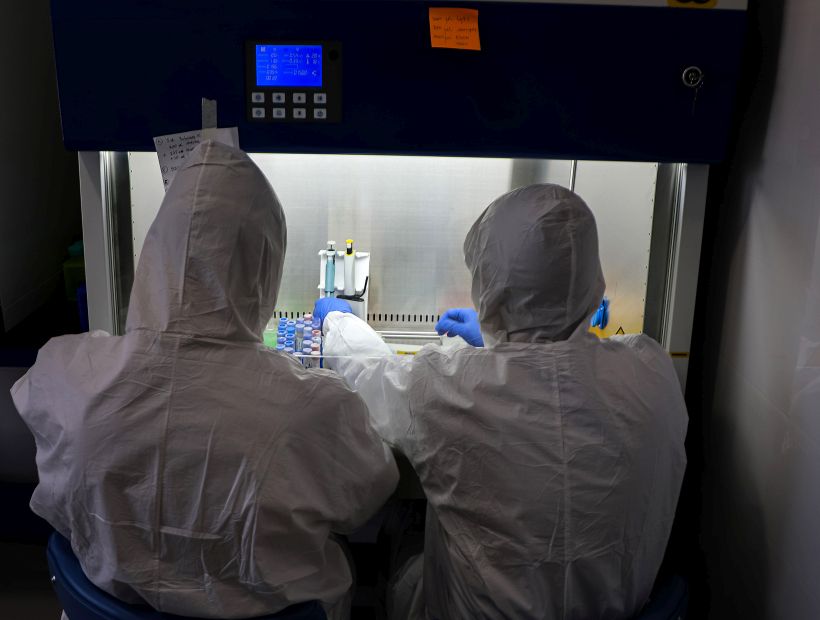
point(320, 98)
point(258, 97)
point(258, 112)
point(299, 113)
point(692, 77)
point(277, 97)
point(279, 113)
point(299, 98)
point(319, 113)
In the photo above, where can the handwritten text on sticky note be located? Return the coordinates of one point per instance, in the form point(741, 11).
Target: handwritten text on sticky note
point(454, 28)
point(173, 149)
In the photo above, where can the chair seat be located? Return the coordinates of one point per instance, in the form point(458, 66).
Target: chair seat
point(82, 600)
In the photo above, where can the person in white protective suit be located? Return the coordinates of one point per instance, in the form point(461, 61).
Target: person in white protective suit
point(191, 467)
point(551, 459)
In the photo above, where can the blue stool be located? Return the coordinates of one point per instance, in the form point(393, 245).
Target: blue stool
point(82, 600)
point(669, 601)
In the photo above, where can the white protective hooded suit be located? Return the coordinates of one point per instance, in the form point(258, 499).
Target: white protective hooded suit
point(191, 467)
point(551, 460)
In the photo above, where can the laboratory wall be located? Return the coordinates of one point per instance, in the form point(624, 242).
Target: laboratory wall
point(760, 388)
point(39, 196)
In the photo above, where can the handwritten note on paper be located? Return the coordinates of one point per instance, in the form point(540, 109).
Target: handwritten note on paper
point(173, 149)
point(454, 28)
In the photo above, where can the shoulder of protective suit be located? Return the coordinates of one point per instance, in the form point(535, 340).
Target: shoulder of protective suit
point(329, 402)
point(65, 347)
point(644, 346)
point(637, 341)
point(331, 384)
point(449, 351)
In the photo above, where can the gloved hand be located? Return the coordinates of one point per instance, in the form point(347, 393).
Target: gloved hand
point(326, 305)
point(461, 322)
point(601, 317)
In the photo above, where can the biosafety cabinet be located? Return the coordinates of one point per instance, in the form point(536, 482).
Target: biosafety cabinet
point(396, 122)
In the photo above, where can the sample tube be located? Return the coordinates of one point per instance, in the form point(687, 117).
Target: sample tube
point(280, 347)
point(289, 350)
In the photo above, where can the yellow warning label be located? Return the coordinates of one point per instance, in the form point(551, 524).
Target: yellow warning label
point(693, 4)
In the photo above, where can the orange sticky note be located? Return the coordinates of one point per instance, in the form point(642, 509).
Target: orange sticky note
point(454, 28)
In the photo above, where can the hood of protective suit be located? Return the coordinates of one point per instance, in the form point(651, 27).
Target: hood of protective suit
point(212, 260)
point(533, 255)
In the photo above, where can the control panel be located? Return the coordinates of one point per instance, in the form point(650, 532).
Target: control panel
point(293, 82)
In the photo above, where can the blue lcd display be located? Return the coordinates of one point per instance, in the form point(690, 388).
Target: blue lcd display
point(289, 65)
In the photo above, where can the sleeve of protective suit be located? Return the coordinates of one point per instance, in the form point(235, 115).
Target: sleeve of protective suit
point(349, 472)
point(354, 350)
point(52, 430)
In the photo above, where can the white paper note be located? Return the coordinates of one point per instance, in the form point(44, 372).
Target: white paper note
point(173, 149)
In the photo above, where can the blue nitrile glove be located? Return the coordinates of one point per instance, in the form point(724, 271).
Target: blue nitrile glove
point(326, 305)
point(601, 317)
point(461, 322)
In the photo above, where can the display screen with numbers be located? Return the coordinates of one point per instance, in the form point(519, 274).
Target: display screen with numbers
point(289, 65)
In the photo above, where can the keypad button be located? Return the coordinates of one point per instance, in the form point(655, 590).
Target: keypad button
point(319, 113)
point(258, 112)
point(258, 97)
point(320, 98)
point(299, 113)
point(277, 97)
point(279, 113)
point(299, 98)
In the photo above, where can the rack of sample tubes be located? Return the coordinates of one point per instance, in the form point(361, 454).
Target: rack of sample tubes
point(300, 337)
